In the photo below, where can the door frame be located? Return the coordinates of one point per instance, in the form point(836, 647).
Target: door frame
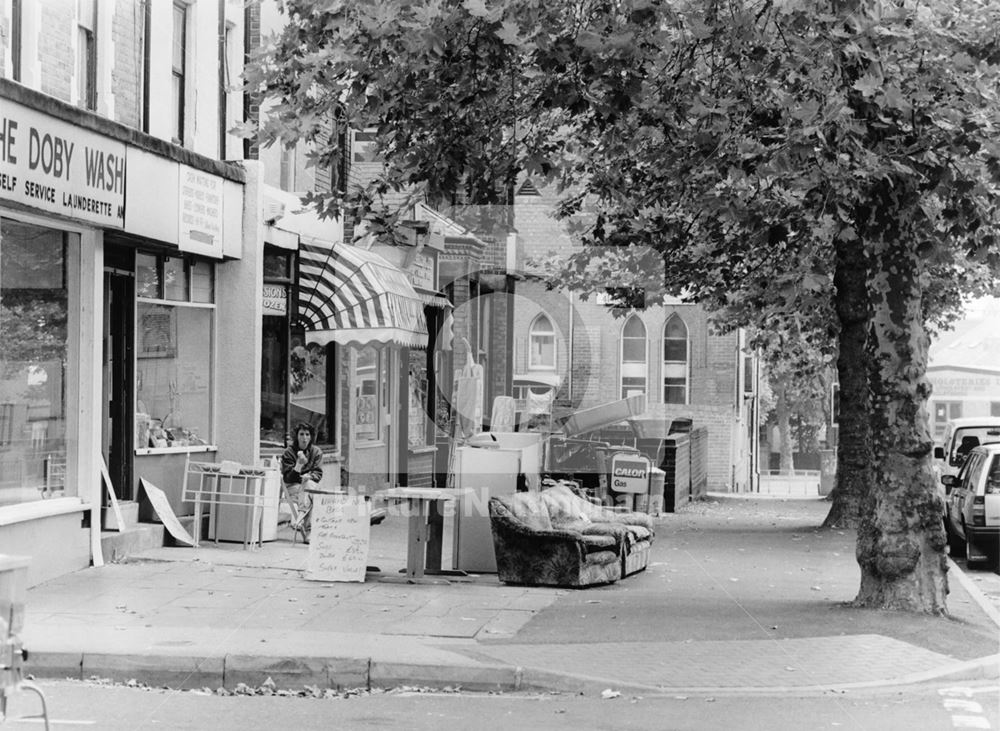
point(118, 376)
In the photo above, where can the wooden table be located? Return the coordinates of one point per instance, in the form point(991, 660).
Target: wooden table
point(419, 533)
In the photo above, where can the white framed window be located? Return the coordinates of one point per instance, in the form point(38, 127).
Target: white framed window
point(633, 357)
point(175, 333)
point(363, 148)
point(86, 54)
point(675, 361)
point(945, 411)
point(369, 388)
point(542, 344)
point(178, 64)
point(39, 290)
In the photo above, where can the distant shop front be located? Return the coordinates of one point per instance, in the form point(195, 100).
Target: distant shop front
point(111, 270)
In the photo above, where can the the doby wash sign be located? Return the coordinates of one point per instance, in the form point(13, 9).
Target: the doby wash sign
point(629, 473)
point(52, 165)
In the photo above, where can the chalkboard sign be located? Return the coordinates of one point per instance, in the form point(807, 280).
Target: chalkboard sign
point(338, 541)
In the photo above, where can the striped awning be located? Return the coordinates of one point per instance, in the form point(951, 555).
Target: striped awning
point(353, 296)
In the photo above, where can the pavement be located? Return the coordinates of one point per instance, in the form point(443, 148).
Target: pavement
point(740, 595)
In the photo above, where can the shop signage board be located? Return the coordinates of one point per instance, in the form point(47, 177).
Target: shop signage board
point(275, 299)
point(423, 271)
point(55, 166)
point(629, 473)
point(339, 538)
point(200, 212)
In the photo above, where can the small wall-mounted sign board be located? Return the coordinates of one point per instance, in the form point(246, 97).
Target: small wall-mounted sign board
point(629, 473)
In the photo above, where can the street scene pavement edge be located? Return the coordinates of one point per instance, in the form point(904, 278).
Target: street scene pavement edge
point(739, 596)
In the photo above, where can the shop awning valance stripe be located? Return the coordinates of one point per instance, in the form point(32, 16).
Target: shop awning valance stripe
point(349, 295)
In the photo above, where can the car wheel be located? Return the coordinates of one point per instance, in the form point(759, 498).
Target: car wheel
point(956, 545)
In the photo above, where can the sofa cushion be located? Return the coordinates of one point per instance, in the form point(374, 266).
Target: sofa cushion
point(566, 507)
point(530, 510)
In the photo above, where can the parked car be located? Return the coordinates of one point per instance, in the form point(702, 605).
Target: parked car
point(972, 507)
point(961, 436)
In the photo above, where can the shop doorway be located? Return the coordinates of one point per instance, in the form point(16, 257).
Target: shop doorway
point(118, 417)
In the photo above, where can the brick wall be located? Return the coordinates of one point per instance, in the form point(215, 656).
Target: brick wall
point(251, 102)
point(539, 233)
point(126, 69)
point(55, 48)
point(699, 462)
point(5, 40)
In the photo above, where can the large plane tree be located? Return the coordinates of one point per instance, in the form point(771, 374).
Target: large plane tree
point(833, 165)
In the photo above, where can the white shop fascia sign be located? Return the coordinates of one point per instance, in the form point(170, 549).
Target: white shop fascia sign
point(197, 211)
point(629, 473)
point(54, 166)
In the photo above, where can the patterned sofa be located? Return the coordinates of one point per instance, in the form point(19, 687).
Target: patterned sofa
point(556, 538)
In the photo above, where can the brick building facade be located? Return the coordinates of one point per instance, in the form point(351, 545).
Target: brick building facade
point(602, 354)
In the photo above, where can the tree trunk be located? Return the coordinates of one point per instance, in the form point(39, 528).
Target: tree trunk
point(854, 451)
point(900, 536)
point(782, 414)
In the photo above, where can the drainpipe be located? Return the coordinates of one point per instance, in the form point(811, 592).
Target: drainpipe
point(569, 355)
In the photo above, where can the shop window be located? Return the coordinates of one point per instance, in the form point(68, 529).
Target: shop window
point(308, 386)
point(542, 344)
point(274, 382)
point(202, 277)
point(995, 408)
point(945, 411)
point(277, 266)
point(147, 276)
point(367, 407)
point(175, 323)
point(290, 371)
point(633, 357)
point(175, 281)
point(35, 369)
point(416, 431)
point(675, 361)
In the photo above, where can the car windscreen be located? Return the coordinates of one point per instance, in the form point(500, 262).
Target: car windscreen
point(967, 438)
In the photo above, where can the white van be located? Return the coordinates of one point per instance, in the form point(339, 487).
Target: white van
point(962, 436)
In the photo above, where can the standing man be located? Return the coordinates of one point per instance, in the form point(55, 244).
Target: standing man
point(301, 470)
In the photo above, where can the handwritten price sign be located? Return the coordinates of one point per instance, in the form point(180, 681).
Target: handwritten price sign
point(338, 544)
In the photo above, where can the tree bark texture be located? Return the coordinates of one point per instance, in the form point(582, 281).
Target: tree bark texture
point(854, 440)
point(901, 539)
point(782, 415)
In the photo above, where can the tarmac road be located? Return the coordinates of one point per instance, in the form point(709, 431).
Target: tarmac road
point(925, 708)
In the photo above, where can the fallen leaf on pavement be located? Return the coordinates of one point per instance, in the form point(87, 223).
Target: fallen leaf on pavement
point(607, 693)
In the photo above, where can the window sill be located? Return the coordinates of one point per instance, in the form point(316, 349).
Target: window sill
point(423, 449)
point(177, 450)
point(369, 445)
point(23, 512)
